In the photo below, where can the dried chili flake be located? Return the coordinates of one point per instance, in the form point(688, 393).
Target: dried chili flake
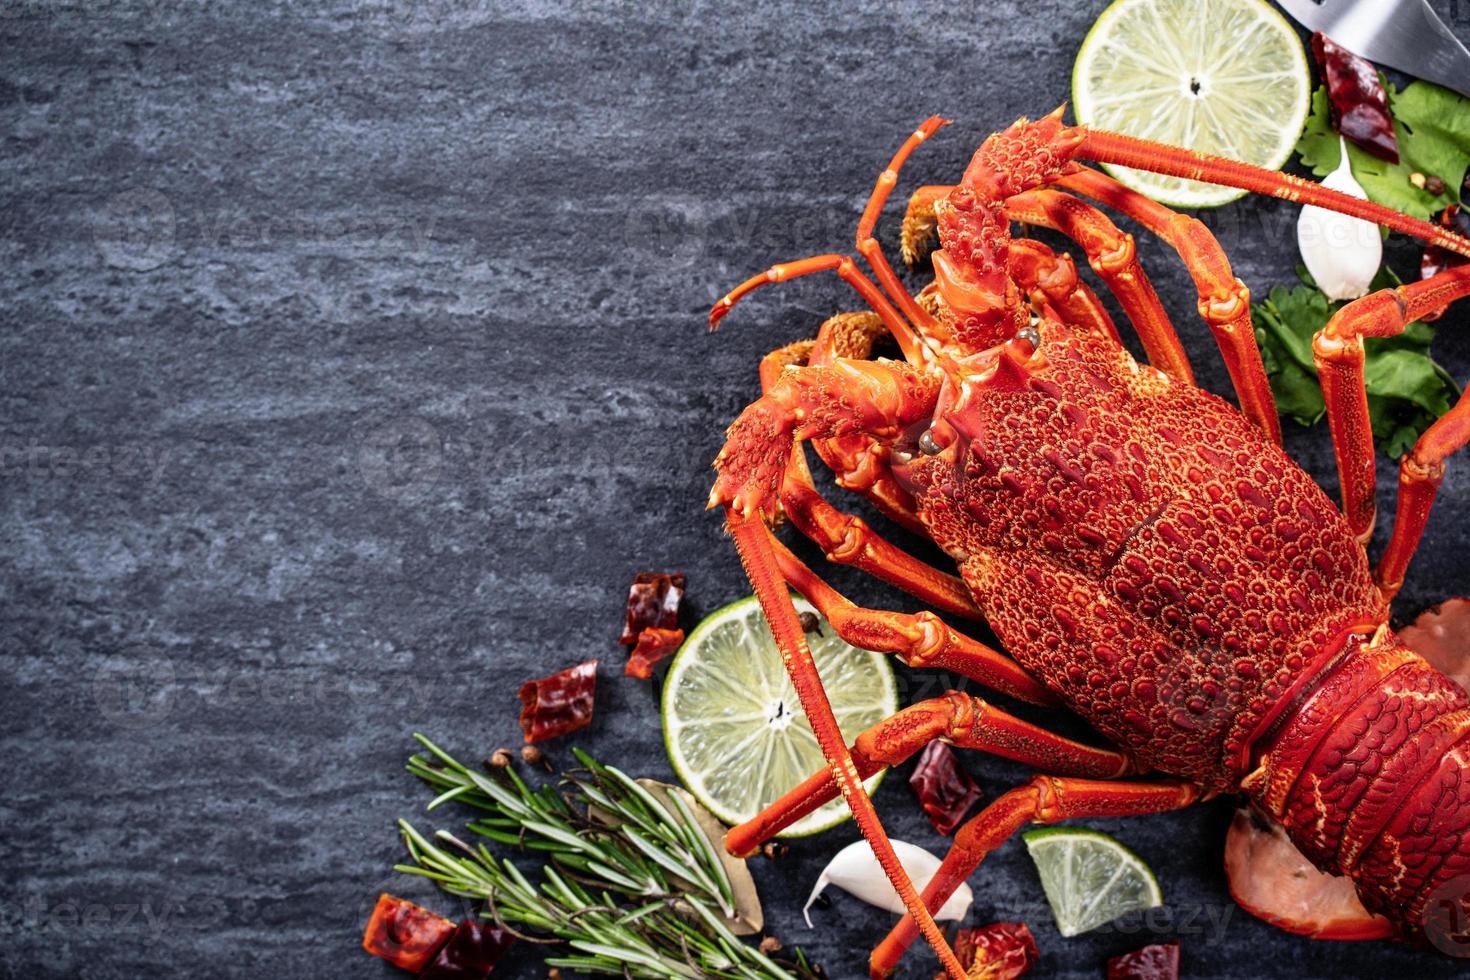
point(472, 951)
point(405, 934)
point(946, 792)
point(1436, 259)
point(1157, 962)
point(1005, 950)
point(654, 644)
point(653, 603)
point(1359, 103)
point(559, 704)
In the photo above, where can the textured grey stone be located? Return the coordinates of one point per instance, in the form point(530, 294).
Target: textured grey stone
point(354, 358)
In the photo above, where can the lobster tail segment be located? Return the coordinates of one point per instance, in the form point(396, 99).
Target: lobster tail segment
point(1370, 775)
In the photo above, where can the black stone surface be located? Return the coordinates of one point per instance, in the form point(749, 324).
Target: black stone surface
point(354, 358)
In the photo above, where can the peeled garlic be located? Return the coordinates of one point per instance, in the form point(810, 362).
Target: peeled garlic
point(856, 871)
point(1342, 253)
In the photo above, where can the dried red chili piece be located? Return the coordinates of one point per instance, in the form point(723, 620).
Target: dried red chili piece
point(946, 792)
point(653, 602)
point(472, 951)
point(1359, 103)
point(1157, 962)
point(654, 644)
point(1006, 948)
point(1436, 259)
point(561, 703)
point(405, 934)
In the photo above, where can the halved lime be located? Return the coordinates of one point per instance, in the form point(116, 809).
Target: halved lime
point(1228, 77)
point(735, 731)
point(1089, 878)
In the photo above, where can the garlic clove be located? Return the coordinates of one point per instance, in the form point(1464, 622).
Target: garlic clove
point(856, 871)
point(1342, 253)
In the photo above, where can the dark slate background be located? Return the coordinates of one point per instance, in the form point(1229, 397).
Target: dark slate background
point(354, 359)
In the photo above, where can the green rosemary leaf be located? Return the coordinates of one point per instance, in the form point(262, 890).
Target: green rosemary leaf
point(652, 810)
point(640, 897)
point(448, 795)
point(710, 860)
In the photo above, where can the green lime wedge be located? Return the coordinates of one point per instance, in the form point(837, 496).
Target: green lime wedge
point(1228, 77)
point(1089, 878)
point(735, 731)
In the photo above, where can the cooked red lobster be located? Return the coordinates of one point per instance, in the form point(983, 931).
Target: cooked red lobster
point(1146, 553)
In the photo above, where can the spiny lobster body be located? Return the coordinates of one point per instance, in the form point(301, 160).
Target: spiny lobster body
point(1162, 565)
point(1146, 553)
point(1144, 550)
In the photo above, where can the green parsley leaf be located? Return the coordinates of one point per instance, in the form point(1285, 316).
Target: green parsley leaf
point(1433, 129)
point(1407, 390)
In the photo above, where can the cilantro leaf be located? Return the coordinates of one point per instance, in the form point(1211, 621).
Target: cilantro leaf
point(1407, 390)
point(1433, 129)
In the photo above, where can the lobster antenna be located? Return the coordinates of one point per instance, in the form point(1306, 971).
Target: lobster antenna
point(1141, 154)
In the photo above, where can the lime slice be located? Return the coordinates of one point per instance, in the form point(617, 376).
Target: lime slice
point(1089, 878)
point(735, 731)
point(1228, 77)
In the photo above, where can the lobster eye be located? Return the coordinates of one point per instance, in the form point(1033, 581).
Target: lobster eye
point(1031, 335)
point(927, 445)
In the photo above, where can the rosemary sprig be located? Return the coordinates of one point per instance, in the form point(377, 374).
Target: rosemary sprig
point(632, 889)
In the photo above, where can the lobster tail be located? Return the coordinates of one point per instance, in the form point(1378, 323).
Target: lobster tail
point(1370, 776)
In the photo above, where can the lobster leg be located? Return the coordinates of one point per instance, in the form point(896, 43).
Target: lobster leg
point(1039, 269)
point(1338, 351)
point(1130, 151)
point(754, 541)
point(1114, 257)
point(1044, 799)
point(848, 540)
point(868, 246)
point(1224, 301)
point(848, 271)
point(878, 398)
point(961, 719)
point(1420, 473)
point(922, 639)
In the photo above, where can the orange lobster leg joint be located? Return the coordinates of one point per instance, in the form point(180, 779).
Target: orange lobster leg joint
point(1420, 473)
point(868, 246)
point(847, 270)
point(1045, 799)
point(1037, 268)
point(922, 639)
point(1114, 257)
point(1338, 351)
point(755, 543)
point(964, 721)
point(848, 540)
point(1224, 301)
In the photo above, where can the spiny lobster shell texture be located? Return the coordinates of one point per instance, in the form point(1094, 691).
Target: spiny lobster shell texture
point(1141, 545)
